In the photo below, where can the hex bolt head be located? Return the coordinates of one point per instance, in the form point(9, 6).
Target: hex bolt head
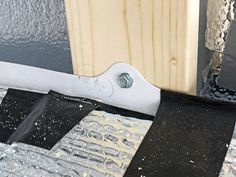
point(125, 80)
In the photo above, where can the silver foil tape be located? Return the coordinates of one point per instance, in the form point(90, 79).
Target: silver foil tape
point(32, 21)
point(3, 92)
point(220, 14)
point(103, 142)
point(229, 166)
point(101, 145)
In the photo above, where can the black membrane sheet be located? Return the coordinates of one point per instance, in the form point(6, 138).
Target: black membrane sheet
point(43, 119)
point(52, 117)
point(15, 107)
point(189, 138)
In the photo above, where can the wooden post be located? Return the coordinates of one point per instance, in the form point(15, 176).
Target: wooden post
point(158, 37)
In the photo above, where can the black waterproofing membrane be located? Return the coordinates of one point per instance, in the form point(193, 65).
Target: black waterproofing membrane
point(189, 138)
point(52, 117)
point(16, 106)
point(43, 119)
point(39, 119)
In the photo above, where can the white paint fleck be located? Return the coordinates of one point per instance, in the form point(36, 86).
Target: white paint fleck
point(191, 161)
point(85, 174)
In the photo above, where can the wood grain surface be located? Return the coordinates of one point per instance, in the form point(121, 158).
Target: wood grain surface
point(158, 37)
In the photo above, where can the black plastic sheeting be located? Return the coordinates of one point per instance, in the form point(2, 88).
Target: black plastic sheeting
point(52, 117)
point(43, 119)
point(188, 138)
point(39, 119)
point(16, 106)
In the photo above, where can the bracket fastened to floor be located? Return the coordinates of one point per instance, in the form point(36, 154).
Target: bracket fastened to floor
point(113, 87)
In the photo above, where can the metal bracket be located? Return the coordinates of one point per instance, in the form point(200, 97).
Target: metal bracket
point(139, 96)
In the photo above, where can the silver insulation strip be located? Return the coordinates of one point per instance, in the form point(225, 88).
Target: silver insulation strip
point(32, 21)
point(101, 145)
point(3, 92)
point(229, 166)
point(220, 14)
